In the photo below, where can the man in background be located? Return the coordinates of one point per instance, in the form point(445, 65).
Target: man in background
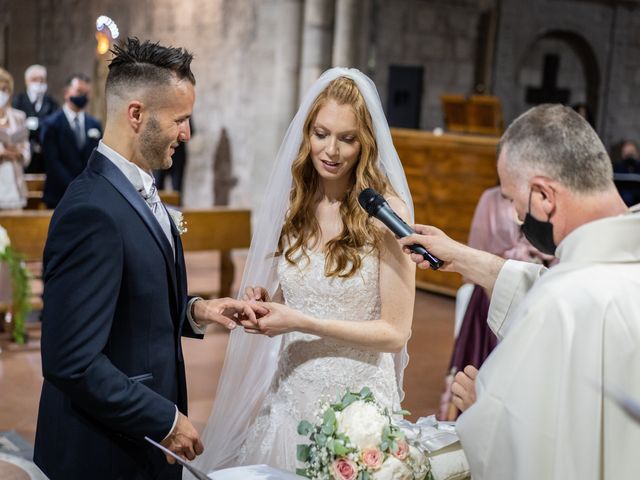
point(37, 105)
point(68, 138)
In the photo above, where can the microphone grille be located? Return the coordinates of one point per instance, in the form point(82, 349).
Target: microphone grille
point(370, 200)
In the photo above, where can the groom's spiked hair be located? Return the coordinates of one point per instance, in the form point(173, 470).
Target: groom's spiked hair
point(148, 64)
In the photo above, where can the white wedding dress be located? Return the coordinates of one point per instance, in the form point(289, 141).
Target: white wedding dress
point(311, 368)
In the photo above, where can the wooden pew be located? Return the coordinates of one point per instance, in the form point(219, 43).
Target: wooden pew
point(222, 229)
point(170, 197)
point(35, 181)
point(218, 229)
point(27, 230)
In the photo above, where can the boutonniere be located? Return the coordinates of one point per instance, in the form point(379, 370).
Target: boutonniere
point(178, 220)
point(93, 133)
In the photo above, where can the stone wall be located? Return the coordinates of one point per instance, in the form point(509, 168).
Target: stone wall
point(440, 35)
point(609, 31)
point(253, 59)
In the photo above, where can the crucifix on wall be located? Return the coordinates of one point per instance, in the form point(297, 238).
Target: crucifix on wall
point(548, 92)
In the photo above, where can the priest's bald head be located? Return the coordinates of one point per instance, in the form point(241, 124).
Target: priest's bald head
point(555, 169)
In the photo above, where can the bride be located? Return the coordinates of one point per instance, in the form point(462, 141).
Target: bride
point(348, 290)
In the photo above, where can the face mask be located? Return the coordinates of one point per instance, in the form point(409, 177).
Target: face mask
point(539, 233)
point(79, 101)
point(37, 89)
point(4, 98)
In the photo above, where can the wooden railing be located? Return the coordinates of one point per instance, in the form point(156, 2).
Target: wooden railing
point(219, 229)
point(35, 187)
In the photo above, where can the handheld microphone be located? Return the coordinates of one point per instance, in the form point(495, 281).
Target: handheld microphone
point(376, 206)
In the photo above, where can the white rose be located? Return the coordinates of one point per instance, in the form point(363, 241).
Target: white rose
point(363, 424)
point(393, 469)
point(4, 239)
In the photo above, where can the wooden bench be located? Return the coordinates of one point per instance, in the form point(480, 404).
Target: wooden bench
point(34, 197)
point(27, 230)
point(218, 229)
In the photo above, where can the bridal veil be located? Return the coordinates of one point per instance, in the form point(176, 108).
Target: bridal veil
point(251, 360)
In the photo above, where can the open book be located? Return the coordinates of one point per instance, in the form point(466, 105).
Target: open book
point(250, 472)
point(194, 471)
point(20, 135)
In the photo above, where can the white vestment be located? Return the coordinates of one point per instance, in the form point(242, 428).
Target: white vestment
point(540, 412)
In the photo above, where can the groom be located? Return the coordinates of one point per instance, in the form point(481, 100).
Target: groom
point(115, 294)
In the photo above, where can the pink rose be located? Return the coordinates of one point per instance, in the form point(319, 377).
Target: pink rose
point(344, 469)
point(372, 458)
point(402, 451)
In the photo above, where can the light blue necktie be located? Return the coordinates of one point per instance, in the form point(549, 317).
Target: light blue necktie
point(78, 132)
point(153, 200)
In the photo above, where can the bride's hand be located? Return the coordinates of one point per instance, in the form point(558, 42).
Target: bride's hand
point(280, 319)
point(257, 294)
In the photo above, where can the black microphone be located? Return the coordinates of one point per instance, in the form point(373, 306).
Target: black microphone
point(376, 206)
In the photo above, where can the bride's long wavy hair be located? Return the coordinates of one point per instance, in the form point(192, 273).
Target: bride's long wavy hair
point(301, 230)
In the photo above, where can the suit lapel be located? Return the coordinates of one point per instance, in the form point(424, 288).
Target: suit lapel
point(102, 165)
point(181, 270)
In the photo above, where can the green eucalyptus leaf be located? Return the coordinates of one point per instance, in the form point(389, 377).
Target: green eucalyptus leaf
point(303, 472)
point(302, 453)
point(305, 428)
point(402, 412)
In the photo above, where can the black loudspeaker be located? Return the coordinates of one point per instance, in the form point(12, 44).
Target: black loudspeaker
point(405, 96)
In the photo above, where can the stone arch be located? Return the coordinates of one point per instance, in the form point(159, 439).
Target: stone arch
point(584, 52)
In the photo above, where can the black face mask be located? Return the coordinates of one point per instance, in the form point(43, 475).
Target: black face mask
point(79, 101)
point(539, 233)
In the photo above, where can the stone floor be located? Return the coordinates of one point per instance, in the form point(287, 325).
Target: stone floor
point(429, 348)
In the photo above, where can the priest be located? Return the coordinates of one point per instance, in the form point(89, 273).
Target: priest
point(566, 333)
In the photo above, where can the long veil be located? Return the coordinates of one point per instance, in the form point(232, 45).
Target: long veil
point(251, 360)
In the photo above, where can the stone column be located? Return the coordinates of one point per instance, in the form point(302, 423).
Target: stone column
point(345, 41)
point(287, 64)
point(317, 41)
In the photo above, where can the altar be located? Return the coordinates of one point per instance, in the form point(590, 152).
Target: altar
point(447, 174)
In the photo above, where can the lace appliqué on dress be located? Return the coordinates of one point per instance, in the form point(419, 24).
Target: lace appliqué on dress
point(311, 367)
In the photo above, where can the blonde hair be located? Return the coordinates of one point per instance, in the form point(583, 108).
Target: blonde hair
point(5, 77)
point(301, 227)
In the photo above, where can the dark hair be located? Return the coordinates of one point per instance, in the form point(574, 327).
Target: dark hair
point(147, 63)
point(79, 76)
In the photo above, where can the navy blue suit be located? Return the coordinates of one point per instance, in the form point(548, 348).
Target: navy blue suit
point(64, 161)
point(114, 311)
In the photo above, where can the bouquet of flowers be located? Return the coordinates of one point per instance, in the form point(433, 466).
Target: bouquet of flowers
point(356, 439)
point(21, 290)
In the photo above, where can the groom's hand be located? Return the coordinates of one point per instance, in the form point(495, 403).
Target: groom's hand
point(225, 311)
point(183, 440)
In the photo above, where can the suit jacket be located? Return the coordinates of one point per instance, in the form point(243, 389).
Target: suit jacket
point(63, 159)
point(114, 311)
point(49, 105)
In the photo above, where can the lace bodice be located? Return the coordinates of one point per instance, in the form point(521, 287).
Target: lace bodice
point(311, 368)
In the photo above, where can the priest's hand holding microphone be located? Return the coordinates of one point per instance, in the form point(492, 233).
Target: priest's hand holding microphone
point(430, 247)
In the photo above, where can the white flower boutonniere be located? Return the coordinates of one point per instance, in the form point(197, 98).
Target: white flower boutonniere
point(94, 133)
point(178, 220)
point(4, 240)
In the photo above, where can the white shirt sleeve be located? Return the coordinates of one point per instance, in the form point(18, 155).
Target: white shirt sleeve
point(175, 420)
point(201, 329)
point(514, 281)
